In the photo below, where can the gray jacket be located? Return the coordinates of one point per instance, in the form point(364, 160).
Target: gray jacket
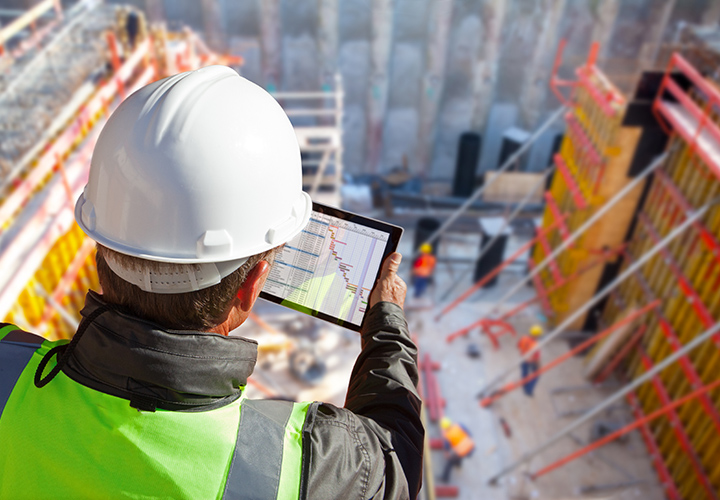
point(375, 443)
point(371, 448)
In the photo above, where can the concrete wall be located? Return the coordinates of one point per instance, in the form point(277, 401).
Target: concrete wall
point(418, 73)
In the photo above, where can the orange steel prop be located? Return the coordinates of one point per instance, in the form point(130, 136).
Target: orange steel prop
point(677, 427)
point(607, 255)
point(67, 279)
point(626, 429)
point(432, 396)
point(704, 123)
point(672, 338)
point(485, 402)
point(498, 269)
point(555, 81)
point(573, 186)
point(706, 236)
point(557, 214)
point(486, 325)
point(261, 323)
point(262, 388)
point(621, 354)
point(656, 457)
point(446, 491)
point(465, 330)
point(603, 99)
point(542, 295)
point(115, 60)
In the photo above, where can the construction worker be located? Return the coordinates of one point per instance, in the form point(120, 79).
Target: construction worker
point(422, 269)
point(458, 444)
point(195, 183)
point(532, 365)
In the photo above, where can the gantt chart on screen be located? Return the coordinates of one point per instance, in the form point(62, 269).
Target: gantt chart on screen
point(329, 267)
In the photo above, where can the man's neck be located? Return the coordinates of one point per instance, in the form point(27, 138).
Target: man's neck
point(236, 318)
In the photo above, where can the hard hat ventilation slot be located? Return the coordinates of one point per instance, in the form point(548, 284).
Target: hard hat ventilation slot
point(214, 243)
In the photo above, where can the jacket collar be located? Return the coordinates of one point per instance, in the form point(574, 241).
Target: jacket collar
point(153, 367)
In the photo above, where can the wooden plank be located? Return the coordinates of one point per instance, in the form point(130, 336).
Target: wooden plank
point(512, 187)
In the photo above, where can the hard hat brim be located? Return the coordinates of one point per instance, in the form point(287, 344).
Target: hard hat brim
point(304, 207)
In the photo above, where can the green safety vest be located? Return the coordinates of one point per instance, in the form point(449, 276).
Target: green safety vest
point(67, 440)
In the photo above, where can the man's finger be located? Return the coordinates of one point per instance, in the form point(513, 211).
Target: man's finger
point(391, 265)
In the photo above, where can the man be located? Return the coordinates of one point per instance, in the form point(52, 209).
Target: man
point(422, 269)
point(195, 183)
point(458, 444)
point(532, 365)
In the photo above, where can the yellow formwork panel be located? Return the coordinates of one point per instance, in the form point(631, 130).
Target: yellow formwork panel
point(69, 262)
point(685, 277)
point(597, 151)
point(665, 435)
point(699, 266)
point(690, 259)
point(567, 262)
point(601, 128)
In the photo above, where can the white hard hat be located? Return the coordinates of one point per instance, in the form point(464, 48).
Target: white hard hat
point(199, 168)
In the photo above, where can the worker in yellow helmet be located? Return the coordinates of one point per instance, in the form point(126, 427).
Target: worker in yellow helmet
point(423, 269)
point(458, 444)
point(531, 365)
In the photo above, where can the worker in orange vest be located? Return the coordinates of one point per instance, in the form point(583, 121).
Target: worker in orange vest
point(423, 268)
point(458, 444)
point(531, 365)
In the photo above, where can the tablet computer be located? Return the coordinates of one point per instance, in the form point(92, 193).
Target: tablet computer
point(330, 268)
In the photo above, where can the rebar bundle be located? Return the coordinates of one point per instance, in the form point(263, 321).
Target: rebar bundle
point(36, 87)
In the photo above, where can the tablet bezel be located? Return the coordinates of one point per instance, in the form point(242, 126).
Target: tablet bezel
point(392, 245)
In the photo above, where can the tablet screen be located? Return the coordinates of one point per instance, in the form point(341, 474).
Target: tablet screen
point(330, 268)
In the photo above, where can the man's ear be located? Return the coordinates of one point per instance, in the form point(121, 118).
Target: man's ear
point(253, 285)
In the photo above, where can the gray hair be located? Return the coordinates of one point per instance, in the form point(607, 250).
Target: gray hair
point(197, 310)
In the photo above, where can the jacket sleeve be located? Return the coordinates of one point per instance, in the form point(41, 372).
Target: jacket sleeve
point(372, 448)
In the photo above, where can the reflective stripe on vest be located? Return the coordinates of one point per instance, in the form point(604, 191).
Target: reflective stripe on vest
point(253, 474)
point(424, 265)
point(525, 344)
point(460, 442)
point(16, 349)
point(246, 449)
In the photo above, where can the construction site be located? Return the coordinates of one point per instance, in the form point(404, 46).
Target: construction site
point(559, 159)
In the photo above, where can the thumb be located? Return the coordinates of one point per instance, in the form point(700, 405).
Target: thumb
point(391, 265)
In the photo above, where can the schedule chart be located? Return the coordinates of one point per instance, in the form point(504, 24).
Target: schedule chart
point(329, 267)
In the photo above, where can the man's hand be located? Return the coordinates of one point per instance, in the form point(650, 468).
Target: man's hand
point(390, 287)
